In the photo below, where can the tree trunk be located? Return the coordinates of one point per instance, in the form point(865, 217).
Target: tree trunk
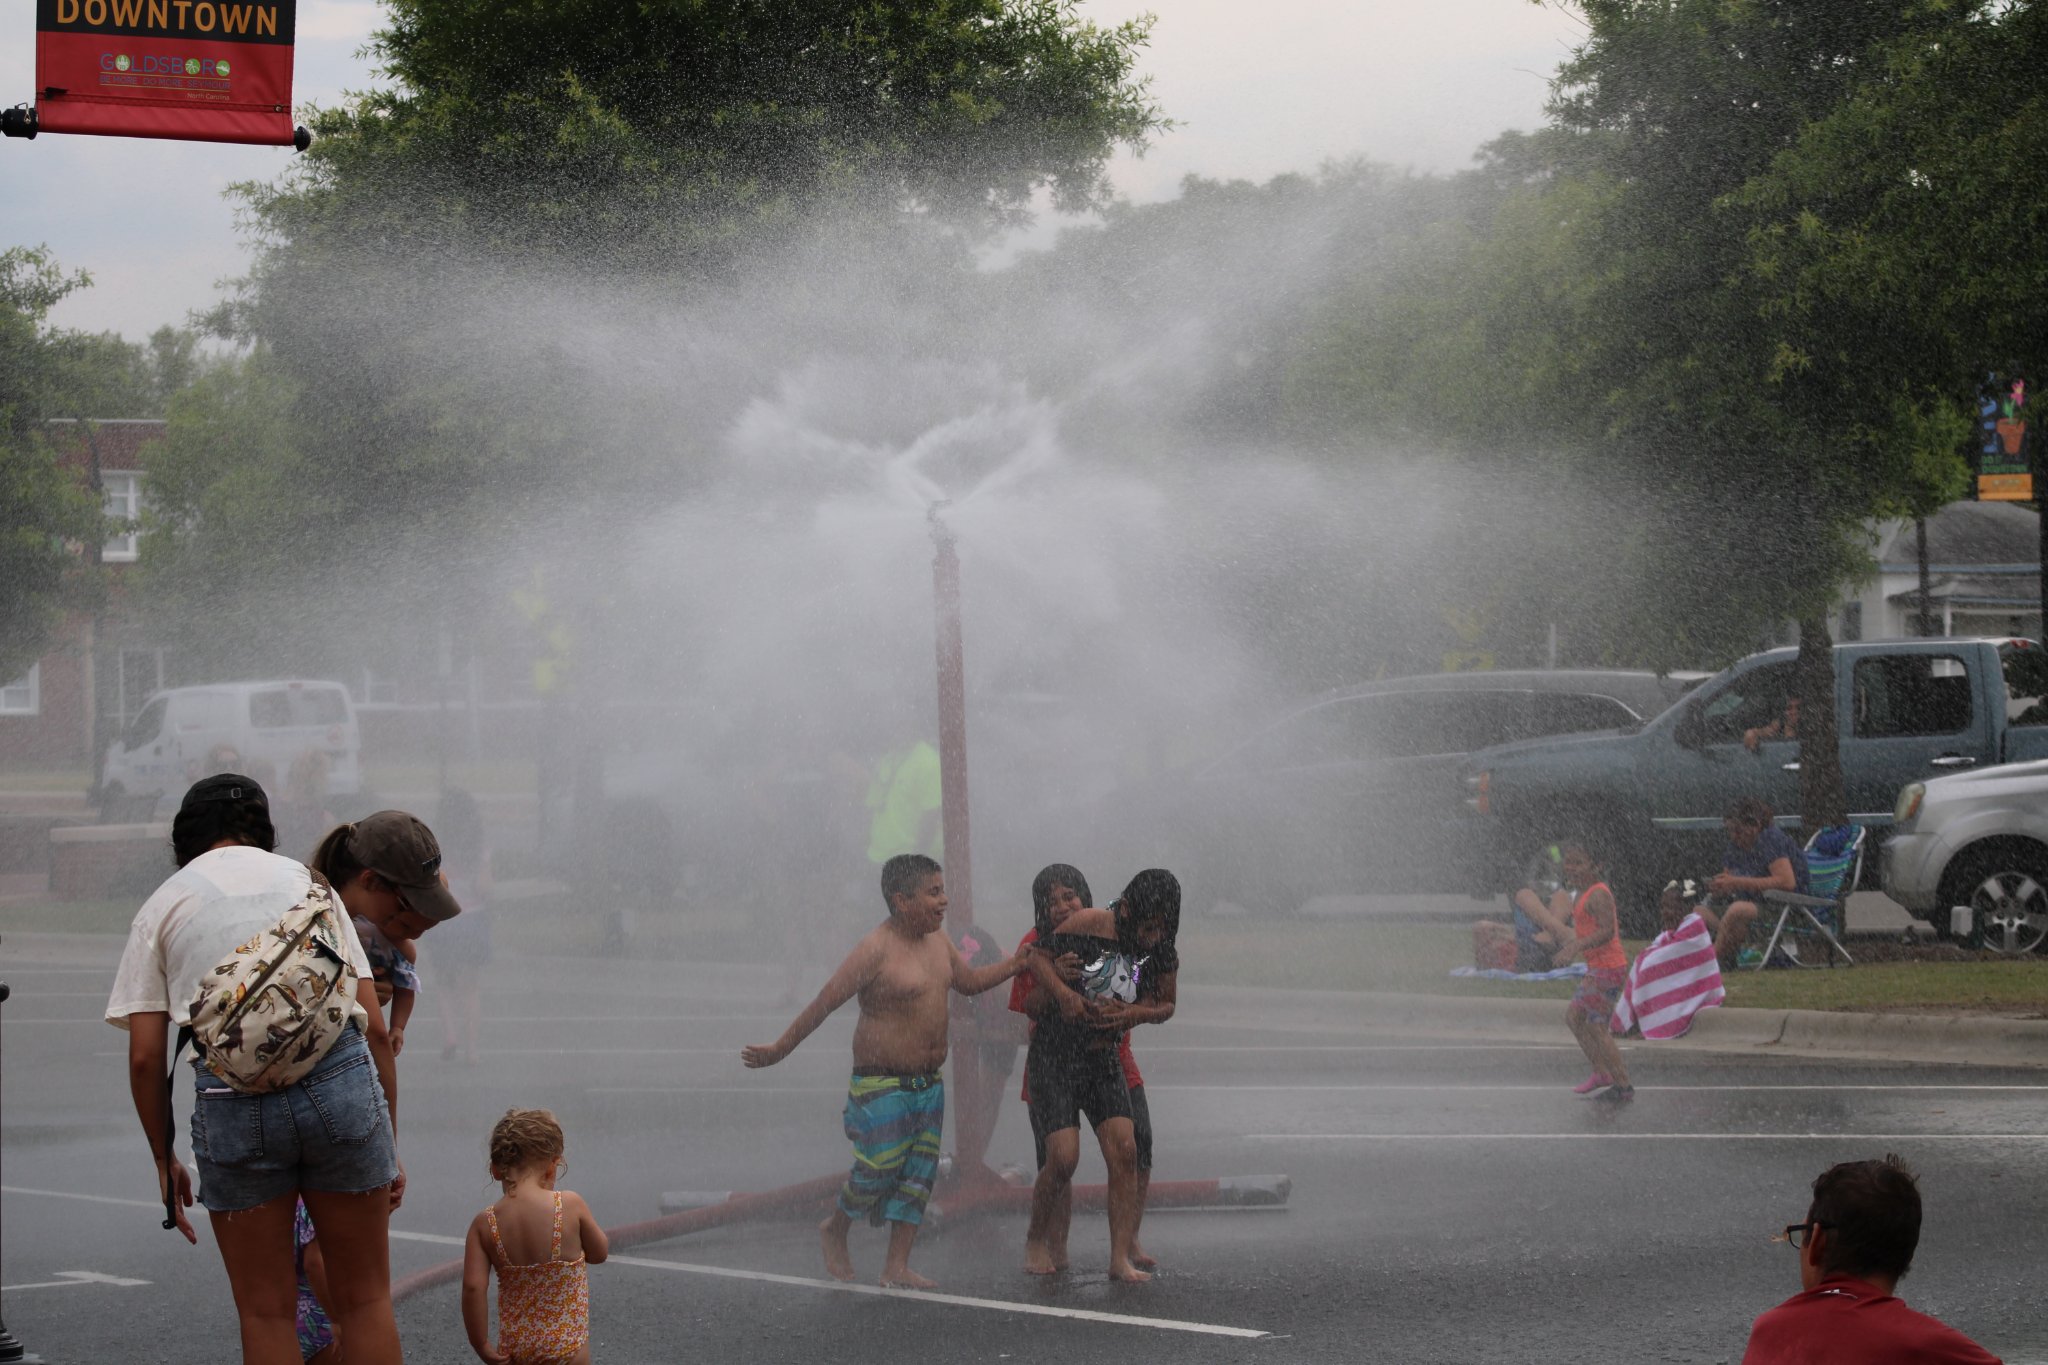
point(1822, 801)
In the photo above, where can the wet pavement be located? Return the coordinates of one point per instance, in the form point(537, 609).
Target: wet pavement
point(1453, 1201)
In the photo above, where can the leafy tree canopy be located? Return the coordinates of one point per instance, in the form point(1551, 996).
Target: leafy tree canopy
point(678, 135)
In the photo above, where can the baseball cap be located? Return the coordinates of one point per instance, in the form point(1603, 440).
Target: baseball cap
point(224, 787)
point(401, 849)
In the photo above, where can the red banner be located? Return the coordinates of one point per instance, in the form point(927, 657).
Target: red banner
point(202, 70)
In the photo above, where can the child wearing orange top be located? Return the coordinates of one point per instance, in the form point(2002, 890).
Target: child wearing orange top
point(543, 1301)
point(1596, 940)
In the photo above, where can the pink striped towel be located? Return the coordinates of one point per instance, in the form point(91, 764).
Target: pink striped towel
point(1670, 981)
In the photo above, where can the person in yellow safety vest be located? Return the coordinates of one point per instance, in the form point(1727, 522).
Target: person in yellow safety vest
point(903, 802)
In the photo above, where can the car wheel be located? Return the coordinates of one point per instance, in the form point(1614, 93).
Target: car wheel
point(2006, 888)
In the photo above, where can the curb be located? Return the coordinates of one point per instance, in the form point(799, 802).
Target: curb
point(1956, 1039)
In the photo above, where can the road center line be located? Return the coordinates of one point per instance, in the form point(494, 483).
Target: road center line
point(1645, 1137)
point(156, 1204)
point(435, 1238)
point(933, 1296)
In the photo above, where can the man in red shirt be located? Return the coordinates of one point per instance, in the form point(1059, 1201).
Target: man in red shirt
point(1856, 1244)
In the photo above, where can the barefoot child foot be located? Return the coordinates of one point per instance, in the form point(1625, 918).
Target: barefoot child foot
point(1038, 1260)
point(1128, 1273)
point(901, 973)
point(832, 1237)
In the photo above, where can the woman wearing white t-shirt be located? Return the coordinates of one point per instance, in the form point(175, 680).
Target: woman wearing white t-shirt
point(326, 1138)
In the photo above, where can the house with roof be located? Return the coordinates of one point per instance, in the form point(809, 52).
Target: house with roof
point(98, 669)
point(1984, 576)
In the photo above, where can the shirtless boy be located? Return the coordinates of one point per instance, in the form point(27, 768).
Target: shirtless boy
point(901, 972)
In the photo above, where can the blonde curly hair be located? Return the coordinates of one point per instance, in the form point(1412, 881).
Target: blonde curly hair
point(523, 1139)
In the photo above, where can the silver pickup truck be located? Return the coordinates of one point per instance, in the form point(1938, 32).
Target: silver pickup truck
point(1975, 841)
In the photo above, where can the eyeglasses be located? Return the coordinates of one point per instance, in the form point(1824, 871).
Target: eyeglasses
point(1799, 1234)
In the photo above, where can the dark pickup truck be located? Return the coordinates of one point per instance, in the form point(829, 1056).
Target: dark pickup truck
point(1653, 798)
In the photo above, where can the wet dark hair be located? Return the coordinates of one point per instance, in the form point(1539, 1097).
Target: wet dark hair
point(1872, 1214)
point(1050, 878)
point(1750, 810)
point(1587, 844)
point(333, 860)
point(1153, 894)
point(903, 874)
point(225, 806)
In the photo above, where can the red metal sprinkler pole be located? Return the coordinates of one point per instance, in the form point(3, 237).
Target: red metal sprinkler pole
point(970, 1129)
point(952, 728)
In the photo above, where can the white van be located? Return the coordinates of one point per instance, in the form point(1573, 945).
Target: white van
point(165, 749)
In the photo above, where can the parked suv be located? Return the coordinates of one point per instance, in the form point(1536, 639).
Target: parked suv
point(1357, 791)
point(1978, 840)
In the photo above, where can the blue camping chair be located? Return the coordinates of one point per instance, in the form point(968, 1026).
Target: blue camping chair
point(1834, 859)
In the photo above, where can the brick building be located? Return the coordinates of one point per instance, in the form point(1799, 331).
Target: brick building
point(98, 669)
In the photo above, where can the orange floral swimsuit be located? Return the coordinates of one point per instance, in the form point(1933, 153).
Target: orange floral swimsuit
point(544, 1308)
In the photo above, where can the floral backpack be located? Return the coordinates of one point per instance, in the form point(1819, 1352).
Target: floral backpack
point(267, 1014)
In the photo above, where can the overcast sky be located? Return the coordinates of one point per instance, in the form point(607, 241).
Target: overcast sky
point(1258, 90)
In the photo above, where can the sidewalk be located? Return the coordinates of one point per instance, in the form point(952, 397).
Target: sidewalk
point(1850, 1036)
point(1967, 1039)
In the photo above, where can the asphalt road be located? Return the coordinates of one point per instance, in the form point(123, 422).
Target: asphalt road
point(1452, 1200)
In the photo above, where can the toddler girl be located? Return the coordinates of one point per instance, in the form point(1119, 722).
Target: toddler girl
point(543, 1296)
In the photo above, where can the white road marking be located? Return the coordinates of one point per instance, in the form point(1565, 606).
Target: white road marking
point(715, 1090)
point(1163, 1086)
point(1157, 1087)
point(69, 1278)
point(156, 1204)
point(1645, 1137)
point(1362, 1047)
point(933, 1296)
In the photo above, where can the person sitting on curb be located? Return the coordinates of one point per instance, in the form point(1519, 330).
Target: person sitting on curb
point(1855, 1246)
point(1530, 935)
point(1760, 857)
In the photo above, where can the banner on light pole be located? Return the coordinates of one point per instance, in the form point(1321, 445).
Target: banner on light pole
point(197, 70)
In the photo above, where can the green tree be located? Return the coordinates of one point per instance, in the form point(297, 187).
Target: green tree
point(645, 150)
point(1901, 243)
point(1607, 322)
point(45, 510)
point(678, 135)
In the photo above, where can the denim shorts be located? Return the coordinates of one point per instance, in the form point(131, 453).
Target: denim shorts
point(330, 1131)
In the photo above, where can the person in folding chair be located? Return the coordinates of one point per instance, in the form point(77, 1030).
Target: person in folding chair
point(1834, 857)
point(1760, 859)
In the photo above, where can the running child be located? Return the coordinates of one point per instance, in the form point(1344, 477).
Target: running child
point(539, 1239)
point(1596, 938)
point(901, 972)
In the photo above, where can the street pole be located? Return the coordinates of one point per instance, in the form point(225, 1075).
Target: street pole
point(2039, 450)
point(10, 1349)
point(971, 1111)
point(952, 727)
